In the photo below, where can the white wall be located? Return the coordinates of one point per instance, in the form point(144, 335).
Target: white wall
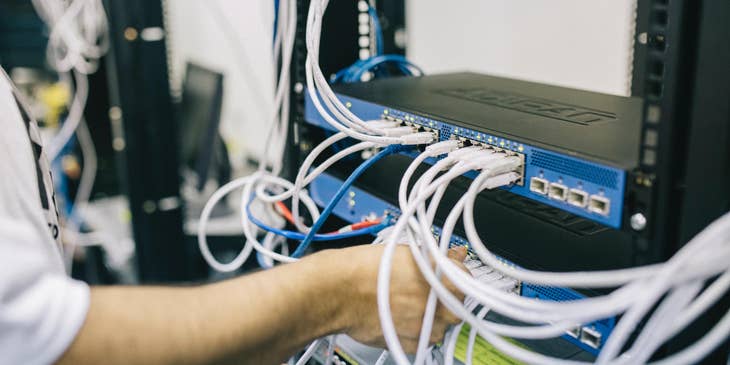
point(579, 43)
point(198, 34)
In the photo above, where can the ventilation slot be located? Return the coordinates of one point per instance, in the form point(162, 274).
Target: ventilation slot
point(579, 170)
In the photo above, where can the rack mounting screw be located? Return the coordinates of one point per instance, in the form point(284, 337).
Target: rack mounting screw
point(638, 222)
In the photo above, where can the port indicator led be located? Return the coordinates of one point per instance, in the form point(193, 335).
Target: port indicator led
point(538, 185)
point(578, 198)
point(558, 191)
point(599, 204)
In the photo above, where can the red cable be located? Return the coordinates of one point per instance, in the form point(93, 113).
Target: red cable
point(286, 213)
point(283, 210)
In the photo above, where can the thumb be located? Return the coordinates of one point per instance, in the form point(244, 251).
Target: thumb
point(457, 253)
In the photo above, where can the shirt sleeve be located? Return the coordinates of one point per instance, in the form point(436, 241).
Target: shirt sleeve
point(41, 308)
point(41, 311)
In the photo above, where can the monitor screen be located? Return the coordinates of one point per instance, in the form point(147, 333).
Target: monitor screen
point(202, 100)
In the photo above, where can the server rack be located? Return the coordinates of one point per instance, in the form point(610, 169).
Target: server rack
point(145, 137)
point(680, 186)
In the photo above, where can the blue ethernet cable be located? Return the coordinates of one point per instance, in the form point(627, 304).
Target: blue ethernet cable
point(293, 235)
point(378, 31)
point(320, 237)
point(376, 61)
point(392, 149)
point(354, 72)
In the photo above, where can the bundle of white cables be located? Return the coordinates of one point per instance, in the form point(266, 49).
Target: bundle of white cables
point(677, 286)
point(78, 38)
point(265, 186)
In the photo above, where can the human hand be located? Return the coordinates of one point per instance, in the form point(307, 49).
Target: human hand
point(408, 296)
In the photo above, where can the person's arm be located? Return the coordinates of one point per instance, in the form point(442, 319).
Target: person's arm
point(262, 318)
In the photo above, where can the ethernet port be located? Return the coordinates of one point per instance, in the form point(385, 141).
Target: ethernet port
point(591, 337)
point(599, 204)
point(538, 185)
point(574, 332)
point(578, 198)
point(558, 191)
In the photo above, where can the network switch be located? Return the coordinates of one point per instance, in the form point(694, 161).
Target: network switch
point(363, 205)
point(578, 151)
point(577, 145)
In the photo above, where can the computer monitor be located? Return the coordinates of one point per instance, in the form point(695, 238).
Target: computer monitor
point(201, 147)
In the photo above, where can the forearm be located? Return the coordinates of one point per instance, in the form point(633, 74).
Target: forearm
point(261, 318)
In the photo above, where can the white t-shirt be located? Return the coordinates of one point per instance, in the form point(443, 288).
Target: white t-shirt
point(41, 308)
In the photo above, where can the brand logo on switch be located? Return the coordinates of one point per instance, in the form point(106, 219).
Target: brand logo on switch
point(532, 105)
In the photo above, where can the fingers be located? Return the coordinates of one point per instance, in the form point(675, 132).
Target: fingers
point(439, 333)
point(457, 253)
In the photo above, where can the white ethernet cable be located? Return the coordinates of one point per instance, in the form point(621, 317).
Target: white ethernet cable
point(271, 242)
point(75, 112)
point(285, 32)
point(500, 181)
point(83, 194)
point(311, 349)
point(247, 183)
point(304, 177)
point(473, 337)
point(557, 315)
point(386, 261)
point(337, 114)
point(330, 354)
point(699, 310)
point(281, 98)
point(631, 279)
point(78, 33)
point(78, 39)
point(260, 179)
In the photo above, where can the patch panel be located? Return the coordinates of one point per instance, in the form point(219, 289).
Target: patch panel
point(602, 184)
point(589, 337)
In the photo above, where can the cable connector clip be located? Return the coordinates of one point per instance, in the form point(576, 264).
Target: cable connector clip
point(417, 138)
point(443, 147)
point(397, 131)
point(501, 166)
point(500, 180)
point(382, 124)
point(466, 152)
